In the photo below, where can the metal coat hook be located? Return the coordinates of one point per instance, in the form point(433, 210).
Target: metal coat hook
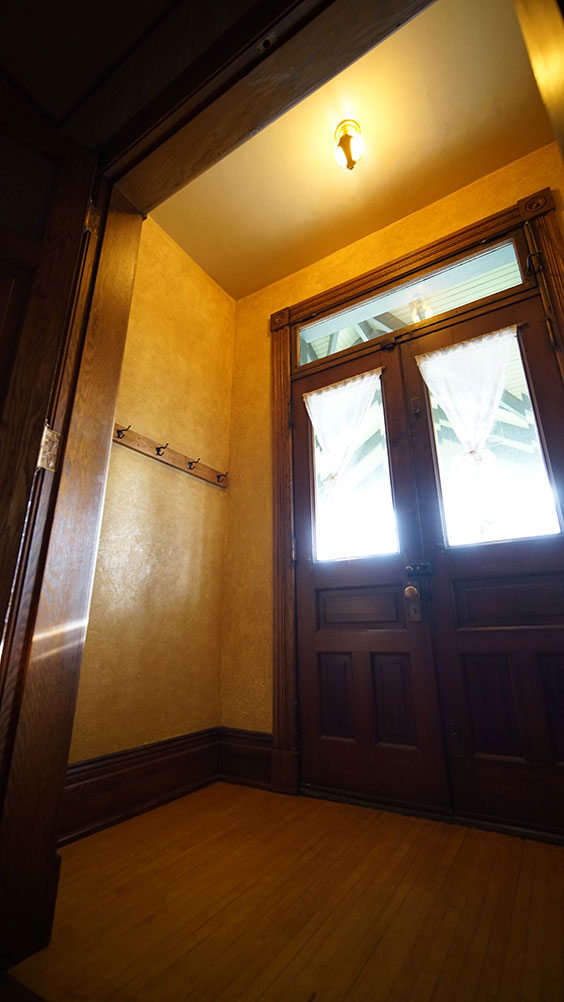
point(193, 462)
point(120, 432)
point(221, 476)
point(159, 449)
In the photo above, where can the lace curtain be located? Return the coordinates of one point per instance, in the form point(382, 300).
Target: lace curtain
point(337, 413)
point(467, 381)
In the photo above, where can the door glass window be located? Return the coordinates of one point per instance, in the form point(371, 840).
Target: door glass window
point(466, 280)
point(492, 472)
point(354, 512)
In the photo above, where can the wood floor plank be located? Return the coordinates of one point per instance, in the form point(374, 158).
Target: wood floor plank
point(240, 895)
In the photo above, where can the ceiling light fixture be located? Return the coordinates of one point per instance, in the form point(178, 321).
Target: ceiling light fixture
point(350, 145)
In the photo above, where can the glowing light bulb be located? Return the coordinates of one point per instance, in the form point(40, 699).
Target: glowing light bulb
point(350, 145)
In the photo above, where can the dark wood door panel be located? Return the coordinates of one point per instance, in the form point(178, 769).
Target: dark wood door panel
point(361, 608)
point(499, 611)
point(531, 600)
point(393, 709)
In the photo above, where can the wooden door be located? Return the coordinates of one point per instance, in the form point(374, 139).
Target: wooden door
point(369, 716)
point(484, 638)
point(498, 606)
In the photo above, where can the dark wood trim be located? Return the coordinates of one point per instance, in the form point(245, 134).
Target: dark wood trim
point(41, 346)
point(284, 625)
point(548, 238)
point(250, 40)
point(244, 757)
point(308, 59)
point(52, 657)
point(106, 790)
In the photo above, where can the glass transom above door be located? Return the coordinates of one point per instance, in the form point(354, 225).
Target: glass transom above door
point(464, 281)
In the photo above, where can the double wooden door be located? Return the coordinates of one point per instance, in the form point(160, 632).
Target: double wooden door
point(431, 668)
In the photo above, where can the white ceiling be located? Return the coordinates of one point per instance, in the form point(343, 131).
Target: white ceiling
point(446, 99)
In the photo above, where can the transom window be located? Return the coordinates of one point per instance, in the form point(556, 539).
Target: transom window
point(466, 280)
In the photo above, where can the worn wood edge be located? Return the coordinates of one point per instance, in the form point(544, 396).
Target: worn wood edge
point(169, 457)
point(106, 790)
point(308, 59)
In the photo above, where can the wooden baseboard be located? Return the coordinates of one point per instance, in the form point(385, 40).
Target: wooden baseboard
point(104, 791)
point(244, 757)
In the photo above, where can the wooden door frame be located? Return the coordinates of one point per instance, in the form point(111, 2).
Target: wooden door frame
point(537, 214)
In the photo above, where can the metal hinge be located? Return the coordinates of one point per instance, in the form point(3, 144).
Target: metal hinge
point(293, 550)
point(93, 220)
point(49, 449)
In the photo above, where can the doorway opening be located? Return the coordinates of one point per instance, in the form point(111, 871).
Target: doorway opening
point(427, 482)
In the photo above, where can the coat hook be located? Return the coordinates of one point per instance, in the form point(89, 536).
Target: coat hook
point(120, 432)
point(221, 476)
point(159, 449)
point(193, 462)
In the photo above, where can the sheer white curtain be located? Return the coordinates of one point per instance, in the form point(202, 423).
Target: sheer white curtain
point(467, 382)
point(336, 413)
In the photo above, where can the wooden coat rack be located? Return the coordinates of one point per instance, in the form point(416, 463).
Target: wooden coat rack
point(162, 454)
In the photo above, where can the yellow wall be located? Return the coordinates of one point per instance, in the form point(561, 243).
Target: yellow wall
point(247, 632)
point(151, 667)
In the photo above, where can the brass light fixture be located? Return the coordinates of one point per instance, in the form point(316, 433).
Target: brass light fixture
point(350, 145)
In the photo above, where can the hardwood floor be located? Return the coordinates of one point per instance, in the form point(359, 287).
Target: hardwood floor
point(234, 893)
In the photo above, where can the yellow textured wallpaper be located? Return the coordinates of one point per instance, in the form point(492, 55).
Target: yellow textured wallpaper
point(151, 667)
point(247, 632)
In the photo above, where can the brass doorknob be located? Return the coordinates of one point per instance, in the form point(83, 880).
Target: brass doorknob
point(411, 593)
